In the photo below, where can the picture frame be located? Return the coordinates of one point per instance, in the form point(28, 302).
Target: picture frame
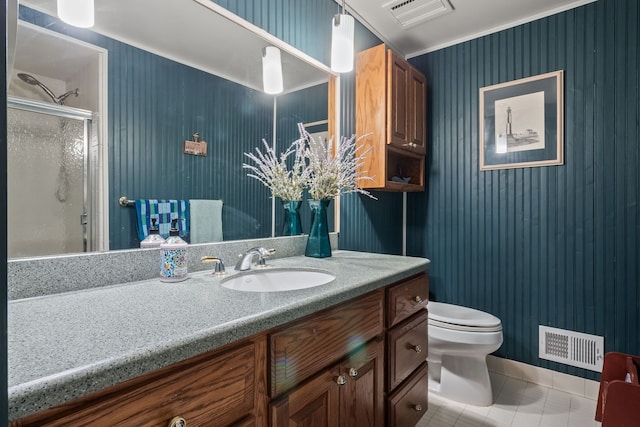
point(522, 123)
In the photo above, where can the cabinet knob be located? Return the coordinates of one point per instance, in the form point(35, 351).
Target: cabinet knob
point(353, 372)
point(341, 380)
point(177, 422)
point(417, 407)
point(417, 348)
point(418, 299)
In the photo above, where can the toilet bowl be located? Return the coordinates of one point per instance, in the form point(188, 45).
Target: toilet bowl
point(460, 338)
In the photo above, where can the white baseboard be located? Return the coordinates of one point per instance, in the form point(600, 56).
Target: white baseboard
point(544, 377)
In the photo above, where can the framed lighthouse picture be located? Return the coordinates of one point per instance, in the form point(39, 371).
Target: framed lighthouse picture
point(522, 123)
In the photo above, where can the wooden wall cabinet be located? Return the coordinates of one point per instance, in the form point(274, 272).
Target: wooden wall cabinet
point(391, 109)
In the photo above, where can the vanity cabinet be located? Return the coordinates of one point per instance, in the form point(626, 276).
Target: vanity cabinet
point(359, 363)
point(391, 111)
point(389, 370)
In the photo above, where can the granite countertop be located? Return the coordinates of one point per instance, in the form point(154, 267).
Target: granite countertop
point(66, 345)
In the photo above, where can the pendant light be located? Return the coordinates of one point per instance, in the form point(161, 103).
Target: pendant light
point(78, 13)
point(272, 70)
point(342, 30)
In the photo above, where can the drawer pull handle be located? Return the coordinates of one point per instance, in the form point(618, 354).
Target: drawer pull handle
point(178, 422)
point(353, 372)
point(418, 299)
point(417, 348)
point(341, 380)
point(418, 407)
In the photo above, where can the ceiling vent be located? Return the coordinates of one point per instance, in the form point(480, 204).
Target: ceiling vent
point(412, 12)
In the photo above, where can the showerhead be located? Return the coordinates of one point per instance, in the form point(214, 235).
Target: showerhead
point(28, 78)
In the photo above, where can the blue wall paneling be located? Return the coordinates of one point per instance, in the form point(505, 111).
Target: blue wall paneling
point(559, 245)
point(154, 105)
point(365, 225)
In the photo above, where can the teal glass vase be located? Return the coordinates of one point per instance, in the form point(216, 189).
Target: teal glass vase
point(292, 225)
point(318, 244)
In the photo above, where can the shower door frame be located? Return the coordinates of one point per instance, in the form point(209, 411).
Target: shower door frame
point(91, 189)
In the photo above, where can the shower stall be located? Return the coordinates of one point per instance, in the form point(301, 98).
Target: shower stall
point(51, 157)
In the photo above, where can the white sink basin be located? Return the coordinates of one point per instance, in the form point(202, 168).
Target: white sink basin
point(277, 280)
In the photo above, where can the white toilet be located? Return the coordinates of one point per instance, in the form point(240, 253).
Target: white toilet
point(460, 339)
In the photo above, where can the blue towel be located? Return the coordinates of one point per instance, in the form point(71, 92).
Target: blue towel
point(163, 211)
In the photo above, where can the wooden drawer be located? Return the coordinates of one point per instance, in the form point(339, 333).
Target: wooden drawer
point(409, 403)
point(406, 348)
point(306, 347)
point(406, 298)
point(217, 390)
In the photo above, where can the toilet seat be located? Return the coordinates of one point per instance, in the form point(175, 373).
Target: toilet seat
point(455, 317)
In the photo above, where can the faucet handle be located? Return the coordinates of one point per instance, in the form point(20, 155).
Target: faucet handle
point(264, 253)
point(219, 269)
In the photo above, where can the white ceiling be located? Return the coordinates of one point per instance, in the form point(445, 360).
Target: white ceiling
point(469, 19)
point(190, 33)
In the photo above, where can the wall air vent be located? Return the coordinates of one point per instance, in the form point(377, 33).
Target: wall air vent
point(412, 12)
point(571, 348)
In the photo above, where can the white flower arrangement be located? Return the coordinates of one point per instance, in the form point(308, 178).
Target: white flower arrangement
point(288, 184)
point(330, 175)
point(314, 166)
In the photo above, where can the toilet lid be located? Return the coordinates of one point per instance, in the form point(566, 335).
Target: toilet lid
point(461, 318)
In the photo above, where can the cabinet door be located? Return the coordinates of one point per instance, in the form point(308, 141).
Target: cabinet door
point(397, 93)
point(362, 401)
point(417, 111)
point(315, 404)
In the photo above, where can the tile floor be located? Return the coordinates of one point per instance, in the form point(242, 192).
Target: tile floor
point(518, 403)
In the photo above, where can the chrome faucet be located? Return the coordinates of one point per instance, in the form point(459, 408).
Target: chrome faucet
point(245, 260)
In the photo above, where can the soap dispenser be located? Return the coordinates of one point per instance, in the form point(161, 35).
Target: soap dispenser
point(173, 256)
point(154, 239)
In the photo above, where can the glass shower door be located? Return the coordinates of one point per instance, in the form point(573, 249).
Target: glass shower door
point(47, 181)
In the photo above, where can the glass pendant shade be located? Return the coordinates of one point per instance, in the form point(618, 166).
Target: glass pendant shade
point(342, 31)
point(272, 70)
point(78, 13)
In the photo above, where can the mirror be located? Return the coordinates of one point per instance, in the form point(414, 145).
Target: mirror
point(151, 76)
